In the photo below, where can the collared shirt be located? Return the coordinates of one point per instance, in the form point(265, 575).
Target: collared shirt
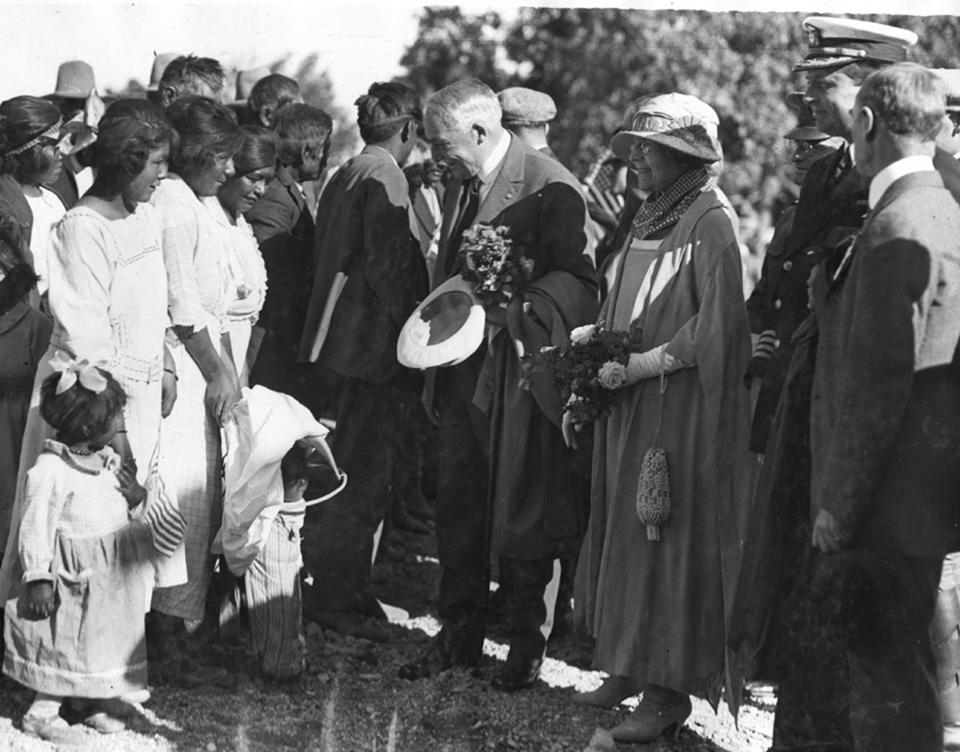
point(492, 164)
point(893, 172)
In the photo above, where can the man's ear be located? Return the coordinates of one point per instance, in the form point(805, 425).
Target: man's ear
point(869, 122)
point(167, 94)
point(306, 152)
point(480, 133)
point(266, 116)
point(408, 131)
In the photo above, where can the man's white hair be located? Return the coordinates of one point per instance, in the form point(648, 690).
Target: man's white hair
point(461, 104)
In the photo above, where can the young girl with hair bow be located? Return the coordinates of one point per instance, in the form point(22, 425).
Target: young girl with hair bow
point(74, 627)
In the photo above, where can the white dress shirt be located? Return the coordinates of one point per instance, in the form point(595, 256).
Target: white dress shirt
point(893, 172)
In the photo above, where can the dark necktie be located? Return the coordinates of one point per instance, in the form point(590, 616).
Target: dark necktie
point(469, 203)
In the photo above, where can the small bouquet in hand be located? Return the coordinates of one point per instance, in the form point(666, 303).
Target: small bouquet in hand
point(488, 262)
point(588, 372)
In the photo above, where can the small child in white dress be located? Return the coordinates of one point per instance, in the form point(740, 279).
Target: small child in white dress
point(76, 627)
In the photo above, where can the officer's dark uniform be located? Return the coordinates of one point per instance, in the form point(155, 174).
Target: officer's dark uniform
point(832, 206)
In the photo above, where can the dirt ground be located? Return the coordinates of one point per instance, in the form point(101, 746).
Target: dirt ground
point(350, 699)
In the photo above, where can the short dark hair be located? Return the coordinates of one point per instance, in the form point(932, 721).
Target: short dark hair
point(293, 466)
point(129, 130)
point(22, 119)
point(257, 149)
point(188, 74)
point(298, 125)
point(204, 129)
point(907, 99)
point(274, 90)
point(79, 414)
point(385, 109)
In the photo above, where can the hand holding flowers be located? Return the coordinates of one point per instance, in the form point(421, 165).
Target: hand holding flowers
point(489, 261)
point(588, 372)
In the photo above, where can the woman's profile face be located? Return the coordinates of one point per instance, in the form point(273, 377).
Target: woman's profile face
point(208, 180)
point(141, 188)
point(53, 164)
point(241, 192)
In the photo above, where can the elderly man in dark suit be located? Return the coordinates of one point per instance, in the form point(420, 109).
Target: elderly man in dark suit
point(885, 425)
point(284, 228)
point(503, 470)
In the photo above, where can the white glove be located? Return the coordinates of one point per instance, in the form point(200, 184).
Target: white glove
point(651, 363)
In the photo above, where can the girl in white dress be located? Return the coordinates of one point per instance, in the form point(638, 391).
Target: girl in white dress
point(255, 166)
point(76, 627)
point(200, 291)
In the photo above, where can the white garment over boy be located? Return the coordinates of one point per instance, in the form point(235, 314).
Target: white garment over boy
point(260, 536)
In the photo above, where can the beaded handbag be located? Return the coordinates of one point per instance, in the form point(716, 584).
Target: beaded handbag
point(653, 502)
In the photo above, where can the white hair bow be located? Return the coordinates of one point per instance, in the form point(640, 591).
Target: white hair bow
point(72, 370)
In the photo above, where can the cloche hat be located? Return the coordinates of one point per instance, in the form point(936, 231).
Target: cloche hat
point(678, 121)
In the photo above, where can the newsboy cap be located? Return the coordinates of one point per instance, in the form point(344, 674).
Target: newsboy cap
point(835, 42)
point(526, 107)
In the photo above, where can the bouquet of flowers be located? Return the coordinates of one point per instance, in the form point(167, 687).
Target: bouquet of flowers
point(488, 261)
point(588, 372)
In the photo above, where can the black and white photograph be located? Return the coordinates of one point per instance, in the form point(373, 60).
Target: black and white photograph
point(480, 377)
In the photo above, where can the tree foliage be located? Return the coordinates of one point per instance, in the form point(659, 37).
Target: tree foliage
point(595, 62)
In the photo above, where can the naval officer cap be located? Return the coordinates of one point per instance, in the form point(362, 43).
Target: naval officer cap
point(835, 42)
point(523, 106)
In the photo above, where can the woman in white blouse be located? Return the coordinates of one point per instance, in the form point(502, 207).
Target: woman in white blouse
point(108, 291)
point(255, 166)
point(200, 293)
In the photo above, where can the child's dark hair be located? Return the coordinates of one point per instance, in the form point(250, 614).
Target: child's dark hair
point(293, 466)
point(79, 414)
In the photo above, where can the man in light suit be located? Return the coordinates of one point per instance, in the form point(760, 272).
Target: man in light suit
point(885, 423)
point(503, 470)
point(284, 228)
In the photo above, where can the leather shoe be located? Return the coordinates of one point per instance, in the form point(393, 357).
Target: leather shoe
point(613, 691)
point(518, 674)
point(653, 717)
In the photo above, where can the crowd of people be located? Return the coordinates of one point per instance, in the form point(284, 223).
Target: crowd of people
point(191, 297)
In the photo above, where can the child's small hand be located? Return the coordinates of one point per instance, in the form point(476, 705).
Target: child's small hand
point(40, 599)
point(132, 491)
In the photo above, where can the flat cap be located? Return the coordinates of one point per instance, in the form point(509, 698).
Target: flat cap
point(835, 42)
point(526, 107)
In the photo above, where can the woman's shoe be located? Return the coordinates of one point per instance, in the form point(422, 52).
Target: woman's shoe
point(652, 718)
point(613, 691)
point(51, 729)
point(104, 722)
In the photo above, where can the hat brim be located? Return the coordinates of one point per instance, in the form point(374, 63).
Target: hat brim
point(446, 329)
point(825, 63)
point(70, 94)
point(698, 148)
point(806, 133)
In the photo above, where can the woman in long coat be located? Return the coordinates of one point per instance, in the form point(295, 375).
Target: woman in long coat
point(657, 607)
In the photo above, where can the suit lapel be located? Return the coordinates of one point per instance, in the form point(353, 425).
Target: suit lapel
point(506, 185)
point(893, 192)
